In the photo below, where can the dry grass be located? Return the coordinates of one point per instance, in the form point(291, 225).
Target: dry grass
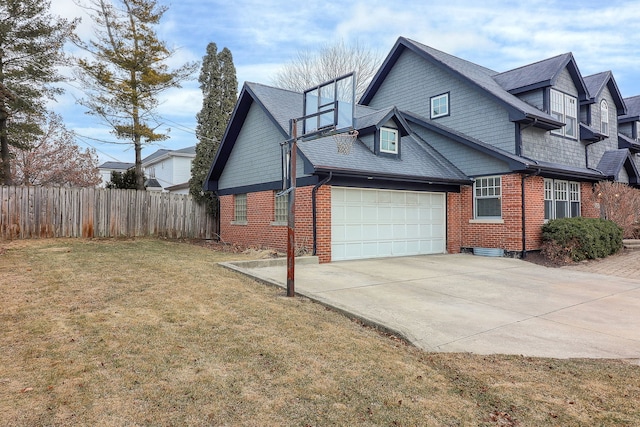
point(150, 332)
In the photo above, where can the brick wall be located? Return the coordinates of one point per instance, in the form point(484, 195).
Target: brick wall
point(260, 230)
point(507, 234)
point(462, 230)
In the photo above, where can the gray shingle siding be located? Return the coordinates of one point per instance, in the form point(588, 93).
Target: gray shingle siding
point(413, 81)
point(538, 144)
point(471, 162)
point(256, 157)
point(565, 84)
point(534, 98)
point(611, 143)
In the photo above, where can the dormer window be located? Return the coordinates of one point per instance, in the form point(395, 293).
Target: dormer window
point(389, 140)
point(564, 108)
point(604, 118)
point(440, 105)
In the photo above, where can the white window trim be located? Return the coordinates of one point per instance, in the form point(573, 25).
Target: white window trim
point(395, 134)
point(565, 115)
point(604, 117)
point(438, 97)
point(572, 190)
point(476, 197)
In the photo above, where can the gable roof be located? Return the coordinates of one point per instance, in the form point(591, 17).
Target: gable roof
point(164, 153)
point(476, 75)
point(419, 162)
point(596, 84)
point(116, 165)
point(377, 119)
point(633, 109)
point(613, 161)
point(542, 74)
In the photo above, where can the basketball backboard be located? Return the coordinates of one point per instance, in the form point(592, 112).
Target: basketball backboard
point(329, 106)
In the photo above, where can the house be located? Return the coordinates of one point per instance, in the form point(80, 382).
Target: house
point(107, 168)
point(169, 170)
point(451, 156)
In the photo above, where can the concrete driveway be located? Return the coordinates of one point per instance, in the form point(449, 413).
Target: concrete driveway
point(466, 303)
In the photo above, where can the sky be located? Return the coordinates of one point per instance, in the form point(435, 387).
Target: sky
point(263, 35)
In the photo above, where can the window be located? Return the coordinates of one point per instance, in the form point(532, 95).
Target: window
point(561, 199)
point(488, 197)
point(604, 118)
point(440, 105)
point(240, 208)
point(564, 108)
point(281, 207)
point(388, 140)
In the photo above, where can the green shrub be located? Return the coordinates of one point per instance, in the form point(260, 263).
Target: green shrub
point(581, 238)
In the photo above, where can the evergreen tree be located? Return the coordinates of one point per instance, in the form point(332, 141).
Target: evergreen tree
point(219, 87)
point(31, 42)
point(128, 71)
point(124, 180)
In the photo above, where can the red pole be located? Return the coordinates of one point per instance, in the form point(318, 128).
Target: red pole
point(291, 217)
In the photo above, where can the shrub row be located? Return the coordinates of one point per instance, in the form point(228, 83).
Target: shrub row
point(580, 238)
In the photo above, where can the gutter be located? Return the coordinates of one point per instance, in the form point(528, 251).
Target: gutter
point(313, 210)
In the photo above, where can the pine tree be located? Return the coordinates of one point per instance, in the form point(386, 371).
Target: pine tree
point(128, 71)
point(219, 87)
point(31, 42)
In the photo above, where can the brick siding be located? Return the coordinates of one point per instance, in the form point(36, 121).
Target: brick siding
point(462, 231)
point(261, 232)
point(507, 235)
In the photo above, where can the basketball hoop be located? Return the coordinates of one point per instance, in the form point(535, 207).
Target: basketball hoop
point(344, 141)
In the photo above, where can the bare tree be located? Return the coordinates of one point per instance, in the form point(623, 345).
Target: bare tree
point(54, 158)
point(308, 68)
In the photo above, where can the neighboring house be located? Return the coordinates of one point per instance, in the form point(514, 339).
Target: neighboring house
point(107, 167)
point(169, 170)
point(451, 156)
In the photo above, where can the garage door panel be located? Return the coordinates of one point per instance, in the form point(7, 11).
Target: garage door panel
point(368, 223)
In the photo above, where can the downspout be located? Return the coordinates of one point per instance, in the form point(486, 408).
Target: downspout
point(524, 215)
point(522, 192)
point(586, 153)
point(313, 210)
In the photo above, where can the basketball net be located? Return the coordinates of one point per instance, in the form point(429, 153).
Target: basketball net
point(344, 141)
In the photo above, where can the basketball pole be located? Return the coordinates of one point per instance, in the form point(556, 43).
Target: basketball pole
point(291, 217)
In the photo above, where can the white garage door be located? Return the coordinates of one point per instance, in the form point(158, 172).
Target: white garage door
point(381, 223)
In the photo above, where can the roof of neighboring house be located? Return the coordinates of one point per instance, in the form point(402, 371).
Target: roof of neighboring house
point(633, 109)
point(164, 153)
point(176, 187)
point(613, 161)
point(116, 165)
point(152, 183)
point(481, 77)
point(596, 84)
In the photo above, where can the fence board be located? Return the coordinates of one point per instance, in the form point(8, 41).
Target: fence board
point(40, 212)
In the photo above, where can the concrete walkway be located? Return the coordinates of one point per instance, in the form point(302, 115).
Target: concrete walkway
point(466, 303)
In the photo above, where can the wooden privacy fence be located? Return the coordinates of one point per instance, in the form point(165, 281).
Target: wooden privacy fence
point(33, 212)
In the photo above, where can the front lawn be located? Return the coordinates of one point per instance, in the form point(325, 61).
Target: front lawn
point(153, 332)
